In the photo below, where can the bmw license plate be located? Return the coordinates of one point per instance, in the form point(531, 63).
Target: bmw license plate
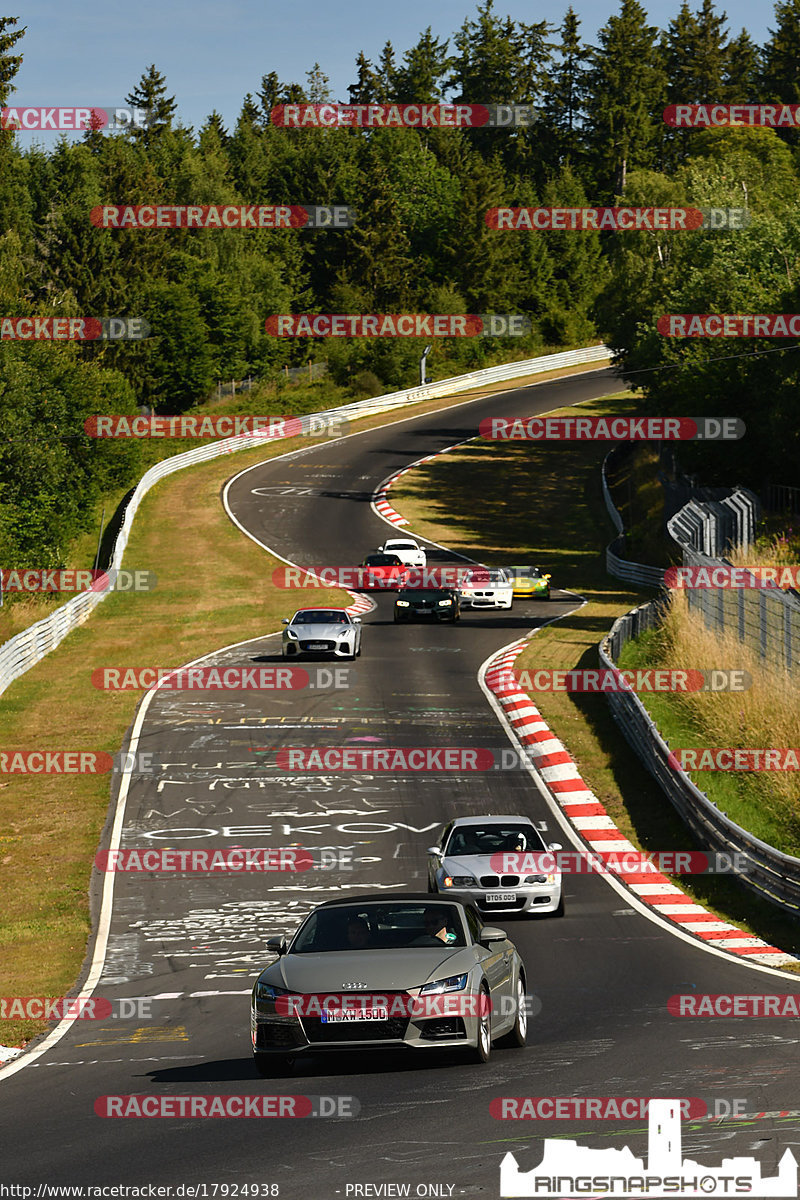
point(316, 645)
point(331, 1015)
point(500, 897)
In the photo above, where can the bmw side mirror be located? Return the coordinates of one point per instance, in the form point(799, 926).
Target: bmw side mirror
point(490, 933)
point(277, 944)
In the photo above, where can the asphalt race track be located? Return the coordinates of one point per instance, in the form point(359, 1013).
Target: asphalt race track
point(192, 943)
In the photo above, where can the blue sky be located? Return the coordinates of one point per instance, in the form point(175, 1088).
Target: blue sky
point(214, 53)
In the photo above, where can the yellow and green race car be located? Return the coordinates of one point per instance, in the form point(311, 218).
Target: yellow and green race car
point(530, 583)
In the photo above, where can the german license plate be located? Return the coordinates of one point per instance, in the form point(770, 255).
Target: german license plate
point(316, 645)
point(332, 1015)
point(500, 897)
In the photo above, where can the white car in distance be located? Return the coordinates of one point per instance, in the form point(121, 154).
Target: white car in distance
point(410, 553)
point(487, 587)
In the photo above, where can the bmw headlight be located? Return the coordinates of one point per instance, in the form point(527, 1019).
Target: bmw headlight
point(455, 983)
point(540, 879)
point(403, 604)
point(445, 601)
point(459, 881)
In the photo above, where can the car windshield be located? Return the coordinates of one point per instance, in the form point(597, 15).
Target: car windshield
point(487, 575)
point(531, 572)
point(491, 839)
point(321, 616)
point(382, 560)
point(380, 925)
point(404, 546)
point(424, 594)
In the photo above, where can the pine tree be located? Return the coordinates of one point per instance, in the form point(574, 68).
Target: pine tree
point(565, 97)
point(780, 78)
point(387, 74)
point(627, 83)
point(366, 87)
point(420, 79)
point(319, 85)
point(9, 63)
point(741, 69)
point(150, 94)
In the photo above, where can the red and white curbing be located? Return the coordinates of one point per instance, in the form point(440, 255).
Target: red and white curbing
point(382, 505)
point(585, 812)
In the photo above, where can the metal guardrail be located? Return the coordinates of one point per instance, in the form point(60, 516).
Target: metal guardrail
point(31, 645)
point(639, 574)
point(769, 873)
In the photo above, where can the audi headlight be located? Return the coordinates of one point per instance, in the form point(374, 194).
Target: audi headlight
point(403, 604)
point(445, 601)
point(454, 983)
point(459, 881)
point(265, 991)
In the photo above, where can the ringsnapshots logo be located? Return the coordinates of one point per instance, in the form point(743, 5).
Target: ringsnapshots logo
point(715, 758)
point(414, 325)
point(236, 426)
point(222, 679)
point(567, 1169)
point(202, 1107)
point(614, 220)
point(612, 429)
point(729, 325)
point(47, 579)
point(73, 329)
point(403, 116)
point(640, 679)
point(222, 216)
point(61, 120)
point(726, 116)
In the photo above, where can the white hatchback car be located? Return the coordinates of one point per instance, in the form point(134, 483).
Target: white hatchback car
point(410, 553)
point(461, 865)
point(487, 587)
point(322, 631)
